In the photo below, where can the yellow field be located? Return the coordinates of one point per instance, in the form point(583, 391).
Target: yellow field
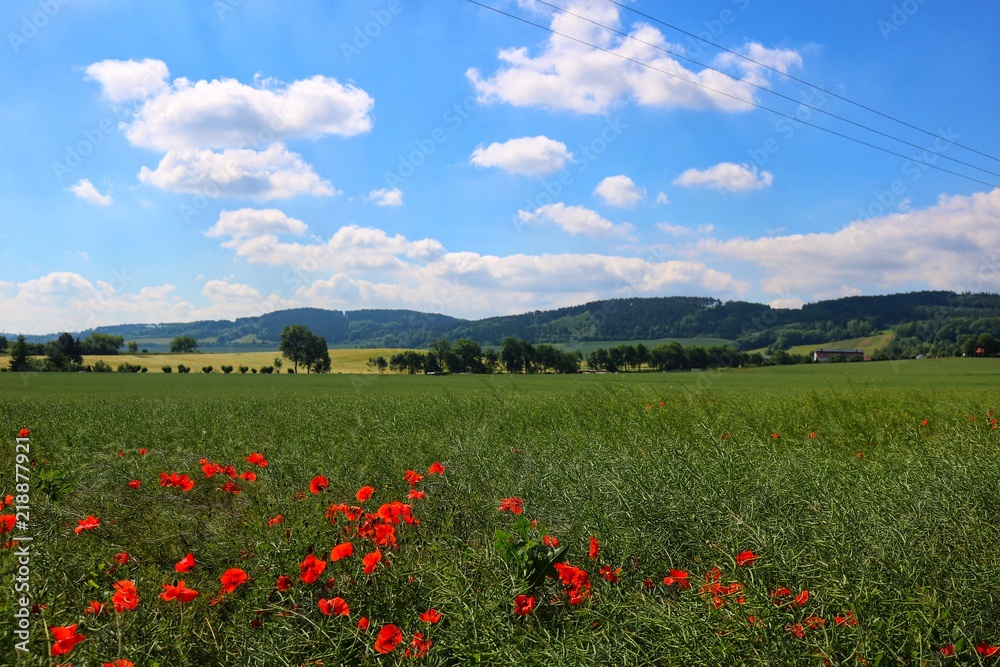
point(341, 361)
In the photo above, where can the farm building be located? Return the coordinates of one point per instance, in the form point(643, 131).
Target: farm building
point(827, 355)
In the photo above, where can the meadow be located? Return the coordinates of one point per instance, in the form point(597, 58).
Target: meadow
point(841, 514)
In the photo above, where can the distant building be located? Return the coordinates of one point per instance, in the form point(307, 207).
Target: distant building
point(827, 355)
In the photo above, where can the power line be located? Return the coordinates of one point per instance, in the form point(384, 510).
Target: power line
point(803, 81)
point(735, 97)
point(768, 90)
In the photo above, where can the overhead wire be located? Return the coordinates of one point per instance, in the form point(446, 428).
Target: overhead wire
point(731, 96)
point(767, 90)
point(803, 81)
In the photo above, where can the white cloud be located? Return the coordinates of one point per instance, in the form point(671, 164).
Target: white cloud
point(951, 245)
point(662, 199)
point(700, 231)
point(577, 220)
point(792, 304)
point(124, 80)
point(727, 176)
point(528, 156)
point(255, 222)
point(782, 60)
point(224, 113)
point(274, 173)
point(86, 191)
point(568, 75)
point(386, 197)
point(620, 191)
point(231, 300)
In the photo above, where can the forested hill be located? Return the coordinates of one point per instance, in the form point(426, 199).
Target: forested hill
point(918, 318)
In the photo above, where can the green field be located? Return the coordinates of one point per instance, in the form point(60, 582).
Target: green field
point(867, 343)
point(873, 486)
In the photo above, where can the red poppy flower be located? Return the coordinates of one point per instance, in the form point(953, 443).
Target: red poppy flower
point(90, 523)
point(249, 476)
point(179, 592)
point(23, 433)
point(337, 607)
point(119, 663)
point(680, 578)
point(986, 650)
point(713, 575)
point(780, 592)
point(134, 483)
point(524, 605)
point(318, 483)
point(610, 575)
point(363, 624)
point(232, 579)
point(431, 616)
point(371, 560)
point(7, 500)
point(121, 557)
point(185, 564)
point(274, 521)
point(515, 505)
point(310, 569)
point(775, 436)
point(66, 637)
point(142, 451)
point(364, 493)
point(94, 607)
point(418, 646)
point(802, 598)
point(257, 459)
point(814, 622)
point(415, 495)
point(813, 434)
point(7, 522)
point(948, 651)
point(121, 454)
point(745, 558)
point(924, 422)
point(847, 619)
point(436, 469)
point(232, 487)
point(576, 580)
point(550, 541)
point(795, 629)
point(389, 637)
point(412, 477)
point(595, 547)
point(344, 550)
point(284, 582)
point(125, 596)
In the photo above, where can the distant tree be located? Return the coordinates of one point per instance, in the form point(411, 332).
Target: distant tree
point(206, 369)
point(183, 345)
point(227, 369)
point(244, 369)
point(133, 347)
point(989, 345)
point(641, 355)
point(19, 355)
point(102, 367)
point(166, 369)
point(294, 340)
point(64, 353)
point(317, 355)
point(277, 363)
point(181, 368)
point(378, 363)
point(98, 343)
point(469, 356)
point(3, 343)
point(516, 355)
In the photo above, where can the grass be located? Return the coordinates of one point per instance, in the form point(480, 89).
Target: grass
point(903, 537)
point(867, 343)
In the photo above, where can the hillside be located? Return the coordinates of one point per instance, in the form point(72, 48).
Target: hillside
point(928, 322)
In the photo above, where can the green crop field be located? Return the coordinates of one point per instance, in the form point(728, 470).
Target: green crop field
point(826, 514)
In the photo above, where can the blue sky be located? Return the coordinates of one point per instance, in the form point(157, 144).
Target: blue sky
point(201, 160)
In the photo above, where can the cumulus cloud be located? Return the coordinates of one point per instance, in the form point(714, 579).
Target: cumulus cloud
point(385, 197)
point(528, 156)
point(568, 75)
point(274, 173)
point(620, 191)
point(86, 191)
point(125, 80)
point(224, 113)
point(577, 220)
point(701, 231)
point(727, 176)
point(255, 222)
point(951, 245)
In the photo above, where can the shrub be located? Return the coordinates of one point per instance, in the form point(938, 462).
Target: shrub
point(227, 369)
point(167, 369)
point(181, 368)
point(128, 368)
point(244, 369)
point(144, 369)
point(291, 370)
point(254, 371)
point(206, 369)
point(102, 367)
point(266, 370)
